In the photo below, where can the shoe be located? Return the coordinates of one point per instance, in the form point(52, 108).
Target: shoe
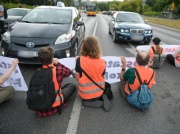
point(106, 103)
point(93, 104)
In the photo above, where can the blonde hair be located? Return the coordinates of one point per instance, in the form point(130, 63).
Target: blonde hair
point(91, 47)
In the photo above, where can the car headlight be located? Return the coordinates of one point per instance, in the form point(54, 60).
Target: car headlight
point(148, 31)
point(64, 38)
point(6, 37)
point(124, 30)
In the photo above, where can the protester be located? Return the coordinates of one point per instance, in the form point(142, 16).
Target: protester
point(46, 57)
point(7, 92)
point(156, 53)
point(94, 66)
point(128, 77)
point(1, 19)
point(174, 59)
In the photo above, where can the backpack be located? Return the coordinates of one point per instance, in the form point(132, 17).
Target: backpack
point(158, 59)
point(5, 14)
point(41, 92)
point(141, 98)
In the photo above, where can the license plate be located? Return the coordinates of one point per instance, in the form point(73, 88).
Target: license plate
point(27, 54)
point(137, 37)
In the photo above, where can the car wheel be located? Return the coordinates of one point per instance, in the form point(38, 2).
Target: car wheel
point(114, 36)
point(74, 50)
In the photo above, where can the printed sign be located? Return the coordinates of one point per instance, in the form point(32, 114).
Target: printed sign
point(113, 66)
point(168, 49)
point(16, 79)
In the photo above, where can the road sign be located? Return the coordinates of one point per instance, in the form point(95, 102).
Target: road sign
point(172, 6)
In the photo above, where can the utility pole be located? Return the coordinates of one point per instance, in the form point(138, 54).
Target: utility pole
point(143, 4)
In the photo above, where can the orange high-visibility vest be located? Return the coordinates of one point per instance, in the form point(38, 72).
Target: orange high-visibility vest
point(94, 68)
point(151, 53)
point(145, 74)
point(59, 98)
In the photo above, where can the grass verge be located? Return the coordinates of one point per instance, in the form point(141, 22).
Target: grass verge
point(165, 22)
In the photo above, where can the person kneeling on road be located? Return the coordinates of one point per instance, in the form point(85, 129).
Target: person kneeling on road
point(46, 57)
point(175, 58)
point(91, 64)
point(7, 92)
point(129, 80)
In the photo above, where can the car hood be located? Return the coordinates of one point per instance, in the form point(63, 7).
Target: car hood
point(36, 30)
point(12, 18)
point(133, 25)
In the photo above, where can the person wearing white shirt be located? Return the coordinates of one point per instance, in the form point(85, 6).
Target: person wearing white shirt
point(60, 4)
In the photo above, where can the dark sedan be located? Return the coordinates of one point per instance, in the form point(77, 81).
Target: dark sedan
point(129, 26)
point(46, 26)
point(14, 14)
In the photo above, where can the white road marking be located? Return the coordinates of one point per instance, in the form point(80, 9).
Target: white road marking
point(132, 49)
point(175, 39)
point(74, 119)
point(95, 28)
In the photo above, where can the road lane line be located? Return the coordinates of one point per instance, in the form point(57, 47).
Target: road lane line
point(74, 119)
point(132, 49)
point(75, 114)
point(175, 39)
point(95, 28)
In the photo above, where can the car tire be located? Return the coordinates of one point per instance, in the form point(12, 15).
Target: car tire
point(114, 37)
point(74, 50)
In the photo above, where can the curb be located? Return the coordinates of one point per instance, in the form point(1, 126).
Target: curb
point(173, 29)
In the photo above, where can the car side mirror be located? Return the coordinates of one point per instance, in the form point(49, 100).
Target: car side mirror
point(80, 23)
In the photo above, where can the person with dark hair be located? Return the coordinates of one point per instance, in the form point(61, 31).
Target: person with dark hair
point(128, 78)
point(157, 48)
point(92, 64)
point(174, 59)
point(7, 92)
point(59, 71)
point(156, 53)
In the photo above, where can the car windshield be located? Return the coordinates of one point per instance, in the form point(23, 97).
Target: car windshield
point(48, 15)
point(16, 12)
point(128, 17)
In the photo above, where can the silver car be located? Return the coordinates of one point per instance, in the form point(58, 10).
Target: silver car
point(14, 14)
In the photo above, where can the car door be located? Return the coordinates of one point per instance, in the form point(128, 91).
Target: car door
point(80, 30)
point(112, 23)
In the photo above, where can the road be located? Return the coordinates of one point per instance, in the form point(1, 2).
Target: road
point(161, 118)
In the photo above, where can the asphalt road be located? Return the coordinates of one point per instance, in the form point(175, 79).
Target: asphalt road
point(163, 116)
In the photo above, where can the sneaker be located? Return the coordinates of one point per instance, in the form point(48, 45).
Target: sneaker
point(93, 104)
point(106, 103)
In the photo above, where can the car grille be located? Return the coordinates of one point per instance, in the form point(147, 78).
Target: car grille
point(36, 46)
point(137, 31)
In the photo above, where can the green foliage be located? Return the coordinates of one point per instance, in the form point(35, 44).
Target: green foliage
point(152, 14)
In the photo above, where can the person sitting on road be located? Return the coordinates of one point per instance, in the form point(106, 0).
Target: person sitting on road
point(7, 92)
point(128, 77)
point(156, 53)
point(94, 66)
point(174, 59)
point(46, 57)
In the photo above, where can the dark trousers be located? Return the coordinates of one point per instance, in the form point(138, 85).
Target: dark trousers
point(122, 92)
point(170, 58)
point(68, 90)
point(2, 26)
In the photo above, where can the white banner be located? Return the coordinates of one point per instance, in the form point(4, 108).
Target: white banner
point(16, 79)
point(113, 66)
point(168, 49)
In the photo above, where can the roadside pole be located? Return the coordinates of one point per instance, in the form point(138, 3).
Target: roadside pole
point(143, 4)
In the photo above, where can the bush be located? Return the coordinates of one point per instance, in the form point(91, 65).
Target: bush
point(152, 14)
